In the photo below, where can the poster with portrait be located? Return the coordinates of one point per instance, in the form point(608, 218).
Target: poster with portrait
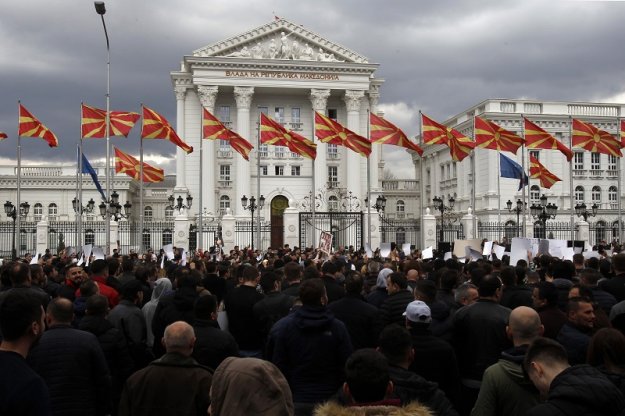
point(325, 242)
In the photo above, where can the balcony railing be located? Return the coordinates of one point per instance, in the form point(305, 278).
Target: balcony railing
point(223, 153)
point(400, 185)
point(333, 155)
point(579, 172)
point(296, 125)
point(225, 184)
point(596, 173)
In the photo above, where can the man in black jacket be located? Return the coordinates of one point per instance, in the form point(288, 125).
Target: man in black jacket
point(358, 316)
point(577, 390)
point(576, 332)
point(72, 363)
point(274, 306)
point(616, 285)
point(212, 345)
point(333, 289)
point(396, 345)
point(399, 296)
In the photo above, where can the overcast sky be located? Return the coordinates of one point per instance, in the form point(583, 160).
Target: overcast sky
point(436, 56)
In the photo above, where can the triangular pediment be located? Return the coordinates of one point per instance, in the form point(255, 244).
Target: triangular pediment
point(283, 40)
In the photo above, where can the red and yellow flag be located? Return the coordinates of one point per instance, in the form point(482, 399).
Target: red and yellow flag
point(489, 135)
point(622, 133)
point(460, 146)
point(213, 129)
point(329, 131)
point(93, 122)
point(156, 126)
point(538, 171)
point(537, 138)
point(29, 126)
point(385, 132)
point(588, 137)
point(271, 132)
point(124, 163)
point(3, 135)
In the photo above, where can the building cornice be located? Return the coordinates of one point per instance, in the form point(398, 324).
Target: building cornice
point(224, 63)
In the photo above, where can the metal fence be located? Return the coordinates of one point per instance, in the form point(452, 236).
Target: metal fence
point(495, 231)
point(211, 232)
point(243, 234)
point(25, 241)
point(602, 231)
point(553, 230)
point(451, 232)
point(346, 228)
point(401, 231)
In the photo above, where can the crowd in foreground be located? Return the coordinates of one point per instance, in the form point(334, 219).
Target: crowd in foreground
point(300, 332)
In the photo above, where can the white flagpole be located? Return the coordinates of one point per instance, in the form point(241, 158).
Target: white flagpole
point(141, 248)
point(473, 184)
point(79, 196)
point(313, 199)
point(422, 182)
point(571, 208)
point(498, 192)
point(259, 245)
point(525, 203)
point(369, 180)
point(19, 186)
point(200, 239)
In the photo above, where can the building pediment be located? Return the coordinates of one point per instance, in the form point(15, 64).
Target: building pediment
point(281, 40)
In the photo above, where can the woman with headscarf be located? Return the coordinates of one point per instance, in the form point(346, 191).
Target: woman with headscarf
point(162, 286)
point(249, 386)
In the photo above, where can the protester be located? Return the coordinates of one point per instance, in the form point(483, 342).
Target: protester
point(212, 345)
point(161, 287)
point(576, 332)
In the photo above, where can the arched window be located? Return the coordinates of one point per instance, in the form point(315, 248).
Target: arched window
point(52, 212)
point(511, 230)
point(596, 195)
point(535, 194)
point(400, 236)
point(224, 203)
point(169, 213)
point(148, 213)
point(579, 194)
point(333, 203)
point(400, 209)
point(615, 231)
point(147, 238)
point(167, 237)
point(38, 211)
point(600, 231)
point(613, 197)
point(539, 230)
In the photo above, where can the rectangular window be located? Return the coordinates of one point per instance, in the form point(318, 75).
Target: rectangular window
point(536, 154)
point(279, 115)
point(263, 170)
point(223, 113)
point(612, 162)
point(333, 151)
point(595, 161)
point(578, 163)
point(455, 166)
point(263, 150)
point(279, 151)
point(224, 172)
point(295, 171)
point(296, 122)
point(442, 172)
point(332, 113)
point(279, 170)
point(333, 175)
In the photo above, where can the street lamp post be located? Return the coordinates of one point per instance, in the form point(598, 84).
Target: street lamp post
point(439, 204)
point(379, 206)
point(11, 212)
point(177, 203)
point(252, 207)
point(518, 210)
point(101, 10)
point(544, 211)
point(113, 211)
point(581, 211)
point(79, 209)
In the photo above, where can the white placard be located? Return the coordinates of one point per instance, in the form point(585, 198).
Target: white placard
point(98, 253)
point(447, 256)
point(428, 253)
point(86, 253)
point(568, 253)
point(591, 254)
point(519, 249)
point(459, 246)
point(168, 249)
point(406, 248)
point(35, 259)
point(488, 248)
point(385, 250)
point(499, 251)
point(368, 250)
point(183, 260)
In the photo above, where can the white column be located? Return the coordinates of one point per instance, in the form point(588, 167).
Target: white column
point(353, 100)
point(181, 230)
point(181, 164)
point(42, 235)
point(228, 225)
point(429, 230)
point(291, 225)
point(374, 158)
point(467, 225)
point(208, 96)
point(319, 100)
point(243, 97)
point(114, 234)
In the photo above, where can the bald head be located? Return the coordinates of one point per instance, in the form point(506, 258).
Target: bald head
point(524, 325)
point(179, 337)
point(412, 274)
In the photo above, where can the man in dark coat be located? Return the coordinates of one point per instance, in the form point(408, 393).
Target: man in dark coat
point(310, 347)
point(293, 276)
point(20, 277)
point(358, 316)
point(175, 384)
point(616, 285)
point(274, 306)
point(333, 289)
point(393, 308)
point(577, 390)
point(212, 345)
point(576, 332)
point(545, 300)
point(72, 363)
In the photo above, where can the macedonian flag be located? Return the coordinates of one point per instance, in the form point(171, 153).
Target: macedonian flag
point(29, 126)
point(622, 133)
point(3, 135)
point(271, 132)
point(213, 129)
point(93, 122)
point(124, 163)
point(385, 132)
point(588, 137)
point(329, 131)
point(460, 146)
point(538, 171)
point(489, 135)
point(537, 138)
point(156, 126)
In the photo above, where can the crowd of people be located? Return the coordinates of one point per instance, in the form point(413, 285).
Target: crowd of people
point(299, 332)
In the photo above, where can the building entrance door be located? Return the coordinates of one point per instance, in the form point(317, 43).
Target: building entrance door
point(278, 205)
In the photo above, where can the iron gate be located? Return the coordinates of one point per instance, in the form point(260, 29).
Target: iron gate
point(346, 228)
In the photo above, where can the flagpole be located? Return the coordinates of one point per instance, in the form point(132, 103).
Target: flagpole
point(422, 182)
point(79, 196)
point(313, 199)
point(19, 185)
point(499, 193)
point(141, 248)
point(473, 184)
point(571, 208)
point(258, 185)
point(200, 220)
point(369, 181)
point(525, 202)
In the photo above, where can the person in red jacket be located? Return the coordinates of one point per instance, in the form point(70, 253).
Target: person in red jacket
point(99, 274)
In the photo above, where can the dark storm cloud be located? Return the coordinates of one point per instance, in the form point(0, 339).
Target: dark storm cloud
point(440, 56)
